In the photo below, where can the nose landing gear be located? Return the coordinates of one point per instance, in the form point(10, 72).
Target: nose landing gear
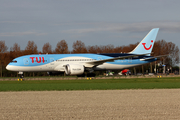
point(21, 76)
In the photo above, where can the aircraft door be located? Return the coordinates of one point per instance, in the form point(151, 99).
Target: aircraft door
point(26, 61)
point(129, 60)
point(52, 61)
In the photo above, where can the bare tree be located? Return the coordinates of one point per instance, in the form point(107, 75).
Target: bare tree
point(162, 47)
point(62, 47)
point(3, 47)
point(108, 49)
point(92, 49)
point(31, 48)
point(15, 51)
point(15, 48)
point(47, 48)
point(79, 47)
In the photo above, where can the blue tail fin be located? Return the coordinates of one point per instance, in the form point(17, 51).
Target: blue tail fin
point(146, 45)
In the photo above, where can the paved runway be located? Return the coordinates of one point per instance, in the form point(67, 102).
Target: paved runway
point(156, 104)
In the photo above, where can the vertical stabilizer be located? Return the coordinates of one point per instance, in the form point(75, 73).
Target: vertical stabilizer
point(146, 45)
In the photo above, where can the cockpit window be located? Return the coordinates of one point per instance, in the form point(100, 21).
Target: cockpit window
point(14, 61)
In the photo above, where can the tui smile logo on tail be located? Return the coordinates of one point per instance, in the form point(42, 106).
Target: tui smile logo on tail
point(144, 44)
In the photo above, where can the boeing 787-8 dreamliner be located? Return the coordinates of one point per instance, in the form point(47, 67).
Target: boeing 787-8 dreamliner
point(77, 64)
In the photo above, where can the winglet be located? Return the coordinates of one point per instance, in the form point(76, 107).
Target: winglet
point(146, 45)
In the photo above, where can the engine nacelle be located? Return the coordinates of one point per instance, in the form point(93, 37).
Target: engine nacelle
point(74, 69)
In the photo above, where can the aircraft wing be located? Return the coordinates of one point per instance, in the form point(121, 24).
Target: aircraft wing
point(149, 58)
point(99, 62)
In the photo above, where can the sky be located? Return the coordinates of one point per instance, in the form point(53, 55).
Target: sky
point(94, 22)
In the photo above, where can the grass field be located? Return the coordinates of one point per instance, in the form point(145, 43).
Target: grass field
point(94, 84)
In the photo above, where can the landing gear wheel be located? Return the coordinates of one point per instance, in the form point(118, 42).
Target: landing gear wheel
point(20, 79)
point(21, 76)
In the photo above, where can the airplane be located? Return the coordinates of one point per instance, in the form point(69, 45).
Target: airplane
point(78, 64)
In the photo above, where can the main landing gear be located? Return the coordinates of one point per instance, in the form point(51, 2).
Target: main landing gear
point(88, 75)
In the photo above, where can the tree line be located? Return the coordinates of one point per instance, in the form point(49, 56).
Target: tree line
point(161, 47)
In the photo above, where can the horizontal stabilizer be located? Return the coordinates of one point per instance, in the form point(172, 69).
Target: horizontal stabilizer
point(150, 58)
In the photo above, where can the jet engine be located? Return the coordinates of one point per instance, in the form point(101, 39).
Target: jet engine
point(74, 69)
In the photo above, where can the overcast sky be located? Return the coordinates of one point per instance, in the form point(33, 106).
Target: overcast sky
point(94, 22)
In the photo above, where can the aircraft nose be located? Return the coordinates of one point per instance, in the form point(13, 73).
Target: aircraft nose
point(8, 67)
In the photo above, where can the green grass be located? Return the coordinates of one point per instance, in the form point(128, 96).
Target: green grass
point(94, 84)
